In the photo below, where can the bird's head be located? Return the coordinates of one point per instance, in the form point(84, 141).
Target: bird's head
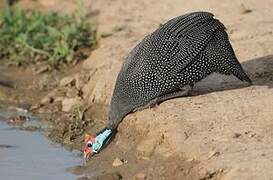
point(95, 143)
point(87, 147)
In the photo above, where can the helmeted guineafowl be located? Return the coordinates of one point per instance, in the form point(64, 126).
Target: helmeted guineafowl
point(166, 64)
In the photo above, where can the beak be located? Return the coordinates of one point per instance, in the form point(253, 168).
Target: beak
point(86, 157)
point(87, 153)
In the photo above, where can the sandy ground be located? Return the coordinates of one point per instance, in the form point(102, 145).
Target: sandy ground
point(225, 128)
point(222, 131)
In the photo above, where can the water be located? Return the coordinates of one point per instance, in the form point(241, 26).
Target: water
point(29, 155)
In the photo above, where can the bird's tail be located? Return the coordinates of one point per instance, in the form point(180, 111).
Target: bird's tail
point(228, 62)
point(241, 75)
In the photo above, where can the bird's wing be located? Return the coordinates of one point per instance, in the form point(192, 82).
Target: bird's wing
point(181, 39)
point(173, 46)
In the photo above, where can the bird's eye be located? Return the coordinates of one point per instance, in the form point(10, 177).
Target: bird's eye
point(89, 144)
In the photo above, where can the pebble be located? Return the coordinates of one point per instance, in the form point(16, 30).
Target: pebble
point(47, 100)
point(117, 162)
point(68, 81)
point(237, 135)
point(190, 160)
point(213, 153)
point(141, 176)
point(43, 69)
point(244, 10)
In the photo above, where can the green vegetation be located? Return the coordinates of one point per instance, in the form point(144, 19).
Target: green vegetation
point(33, 37)
point(114, 30)
point(78, 112)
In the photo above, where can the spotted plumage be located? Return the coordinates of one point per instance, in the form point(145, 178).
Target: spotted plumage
point(167, 63)
point(181, 52)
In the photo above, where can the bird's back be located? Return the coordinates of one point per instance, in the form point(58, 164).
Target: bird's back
point(180, 52)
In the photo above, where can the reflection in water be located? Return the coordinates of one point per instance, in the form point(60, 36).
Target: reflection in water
point(29, 155)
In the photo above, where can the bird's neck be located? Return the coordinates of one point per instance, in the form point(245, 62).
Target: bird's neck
point(103, 138)
point(115, 117)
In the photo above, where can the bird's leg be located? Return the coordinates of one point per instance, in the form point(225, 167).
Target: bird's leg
point(184, 91)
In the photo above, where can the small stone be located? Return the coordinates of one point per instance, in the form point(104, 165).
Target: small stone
point(213, 153)
point(24, 107)
point(117, 162)
point(247, 132)
point(59, 98)
point(144, 158)
point(79, 81)
point(252, 134)
point(18, 109)
point(71, 93)
point(43, 69)
point(34, 107)
point(17, 119)
point(244, 10)
point(141, 176)
point(237, 135)
point(68, 81)
point(30, 128)
point(190, 160)
point(47, 100)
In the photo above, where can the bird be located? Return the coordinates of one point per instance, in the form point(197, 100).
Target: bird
point(166, 64)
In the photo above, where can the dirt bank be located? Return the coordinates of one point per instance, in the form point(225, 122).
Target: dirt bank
point(222, 131)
